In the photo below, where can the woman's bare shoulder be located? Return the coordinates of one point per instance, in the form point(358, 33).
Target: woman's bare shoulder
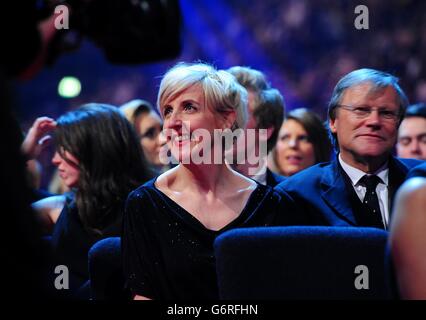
point(49, 210)
point(166, 179)
point(53, 202)
point(243, 183)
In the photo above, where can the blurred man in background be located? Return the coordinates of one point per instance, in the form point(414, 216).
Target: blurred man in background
point(412, 133)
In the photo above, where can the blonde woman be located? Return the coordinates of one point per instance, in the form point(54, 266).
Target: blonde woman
point(172, 221)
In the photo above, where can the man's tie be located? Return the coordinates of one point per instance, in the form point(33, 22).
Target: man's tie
point(372, 216)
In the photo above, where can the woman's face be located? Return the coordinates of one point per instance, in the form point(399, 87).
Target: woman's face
point(148, 127)
point(294, 151)
point(189, 125)
point(68, 169)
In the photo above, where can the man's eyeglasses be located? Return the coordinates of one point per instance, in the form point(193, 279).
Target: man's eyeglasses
point(362, 112)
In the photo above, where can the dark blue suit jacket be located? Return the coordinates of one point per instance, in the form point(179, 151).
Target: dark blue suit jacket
point(272, 179)
point(418, 171)
point(320, 193)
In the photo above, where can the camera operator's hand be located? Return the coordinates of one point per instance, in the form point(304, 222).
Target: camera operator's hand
point(37, 137)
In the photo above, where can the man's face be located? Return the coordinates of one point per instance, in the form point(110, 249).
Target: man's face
point(412, 138)
point(363, 139)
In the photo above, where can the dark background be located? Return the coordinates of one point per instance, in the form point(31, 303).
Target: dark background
point(303, 47)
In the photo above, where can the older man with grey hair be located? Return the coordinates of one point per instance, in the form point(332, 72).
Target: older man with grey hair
point(357, 188)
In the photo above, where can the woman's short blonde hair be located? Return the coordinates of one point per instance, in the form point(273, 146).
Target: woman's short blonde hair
point(221, 90)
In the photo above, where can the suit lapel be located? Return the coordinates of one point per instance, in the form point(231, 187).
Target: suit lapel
point(334, 193)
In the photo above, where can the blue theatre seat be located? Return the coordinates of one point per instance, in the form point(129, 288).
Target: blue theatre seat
point(302, 263)
point(106, 272)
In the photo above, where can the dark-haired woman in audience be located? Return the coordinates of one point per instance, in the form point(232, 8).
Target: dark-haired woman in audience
point(172, 221)
point(99, 158)
point(302, 142)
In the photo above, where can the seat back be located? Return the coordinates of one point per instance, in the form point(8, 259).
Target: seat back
point(106, 272)
point(302, 263)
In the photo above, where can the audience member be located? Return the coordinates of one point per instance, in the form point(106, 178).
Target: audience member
point(266, 111)
point(24, 256)
point(357, 188)
point(412, 133)
point(302, 142)
point(172, 221)
point(99, 158)
point(148, 126)
point(407, 239)
point(31, 148)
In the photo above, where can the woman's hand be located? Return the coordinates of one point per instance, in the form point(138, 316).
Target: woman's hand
point(37, 137)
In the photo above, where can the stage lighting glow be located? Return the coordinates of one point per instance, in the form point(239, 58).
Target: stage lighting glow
point(69, 87)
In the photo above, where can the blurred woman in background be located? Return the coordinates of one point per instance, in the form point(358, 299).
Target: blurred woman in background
point(302, 142)
point(148, 126)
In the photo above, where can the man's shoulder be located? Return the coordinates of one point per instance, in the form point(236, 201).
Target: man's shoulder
point(410, 163)
point(418, 171)
point(307, 177)
point(273, 178)
point(406, 166)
